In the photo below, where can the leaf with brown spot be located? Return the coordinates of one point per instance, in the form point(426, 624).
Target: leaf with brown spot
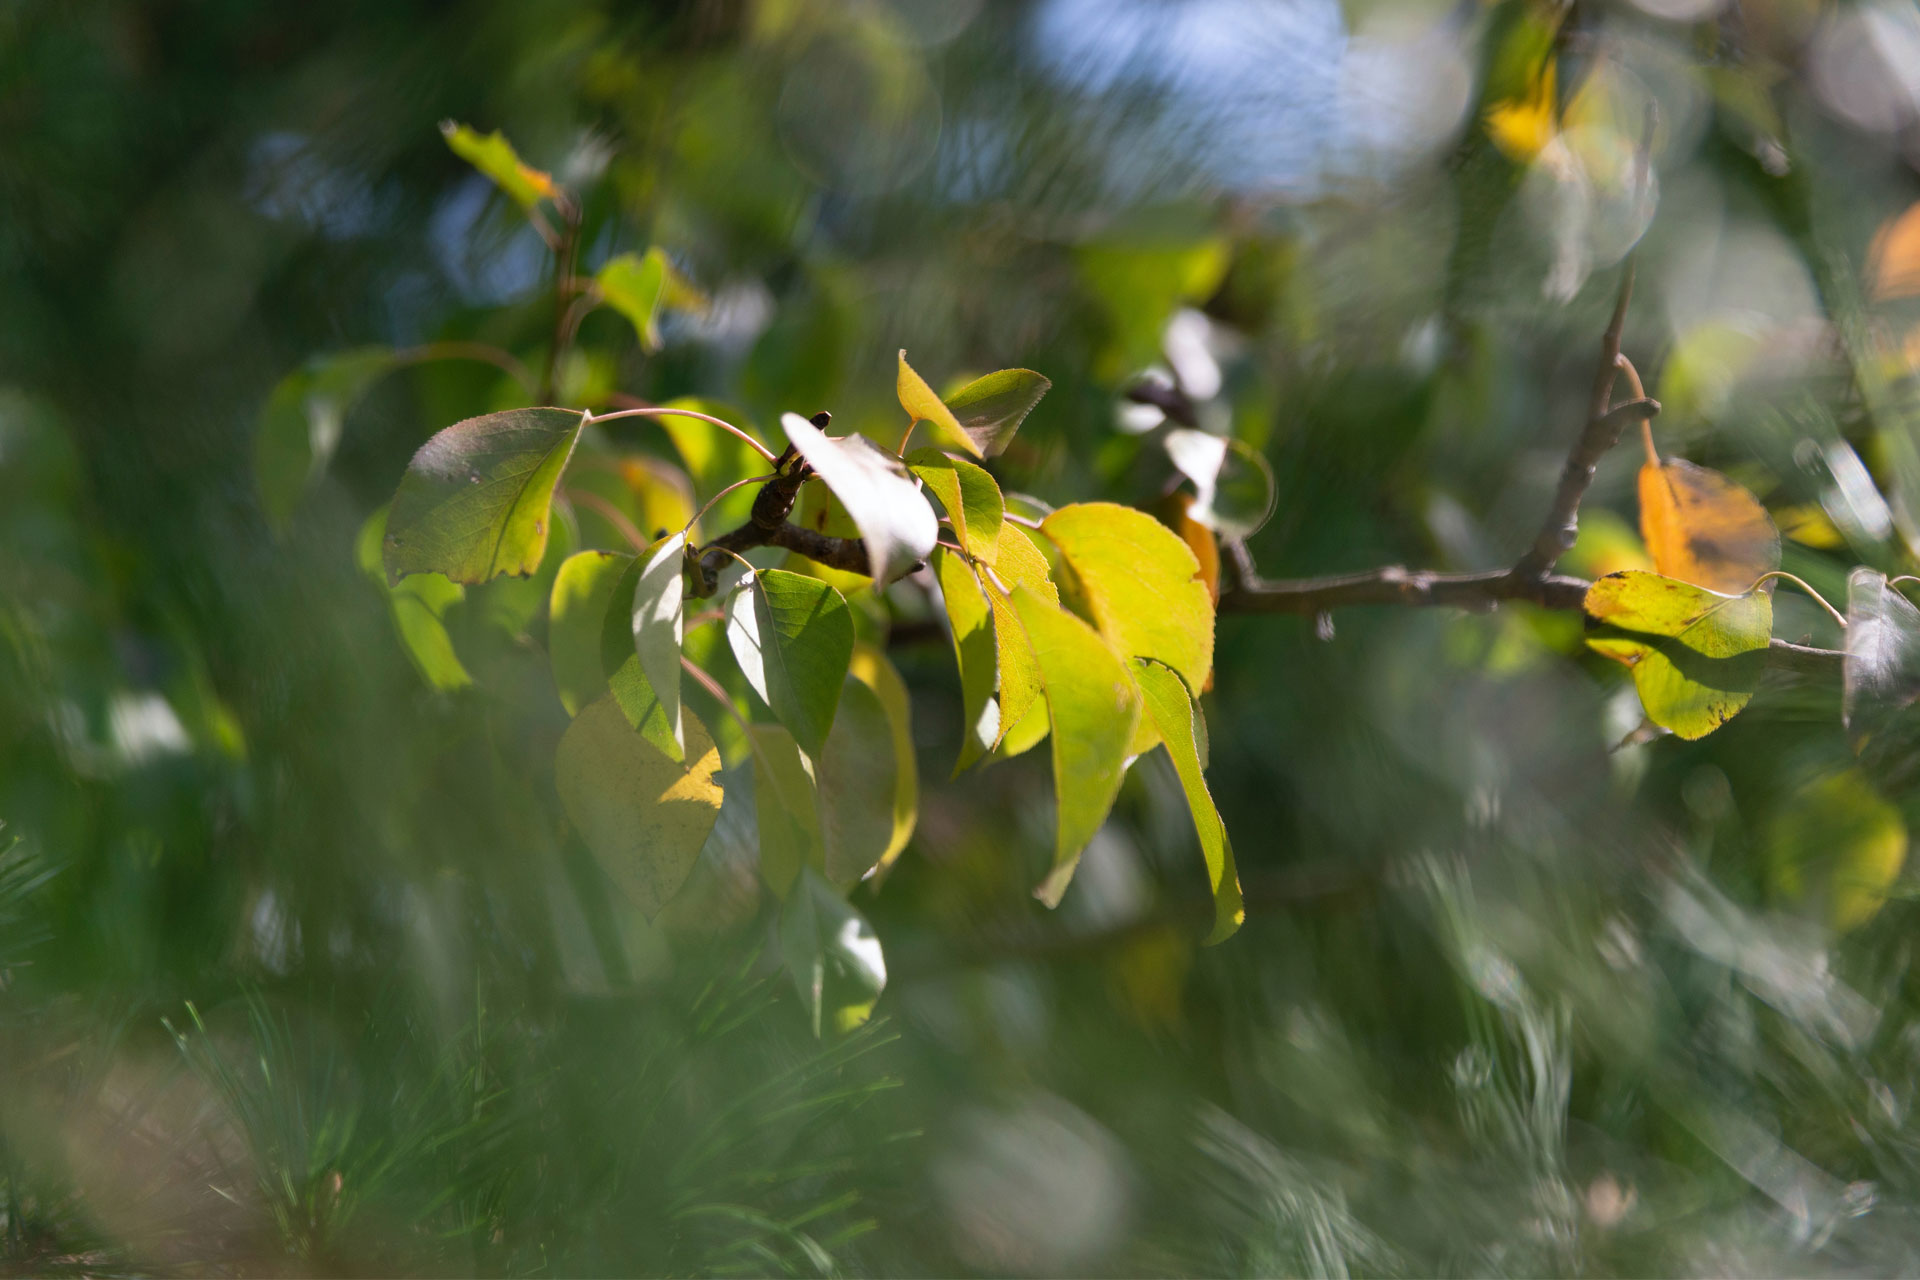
point(1704, 528)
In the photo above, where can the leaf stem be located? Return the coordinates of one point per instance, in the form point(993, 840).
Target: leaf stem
point(737, 484)
point(661, 411)
point(1639, 391)
point(1021, 520)
point(712, 686)
point(1801, 583)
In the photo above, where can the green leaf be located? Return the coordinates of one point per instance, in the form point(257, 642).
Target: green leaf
point(1234, 491)
point(644, 814)
point(658, 622)
point(1835, 848)
point(477, 498)
point(871, 668)
point(971, 621)
point(1881, 677)
point(991, 409)
point(1140, 582)
point(301, 424)
point(626, 679)
point(576, 613)
point(793, 638)
point(634, 286)
point(855, 774)
point(922, 405)
point(784, 812)
point(832, 954)
point(1093, 705)
point(494, 156)
point(892, 515)
point(1696, 655)
point(970, 497)
point(419, 606)
point(1176, 718)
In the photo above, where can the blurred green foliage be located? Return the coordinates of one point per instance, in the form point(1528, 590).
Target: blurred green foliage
point(300, 967)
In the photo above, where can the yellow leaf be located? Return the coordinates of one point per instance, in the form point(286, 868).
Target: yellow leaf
point(1894, 261)
point(1140, 583)
point(1836, 848)
point(1523, 126)
point(1695, 653)
point(1703, 528)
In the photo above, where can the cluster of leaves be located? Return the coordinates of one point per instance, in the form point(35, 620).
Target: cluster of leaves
point(1090, 626)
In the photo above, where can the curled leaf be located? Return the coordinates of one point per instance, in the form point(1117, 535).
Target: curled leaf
point(658, 623)
point(922, 405)
point(991, 409)
point(898, 526)
point(1177, 720)
point(1234, 490)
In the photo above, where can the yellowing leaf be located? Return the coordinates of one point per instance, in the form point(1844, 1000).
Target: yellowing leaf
point(642, 813)
point(1894, 261)
point(1141, 584)
point(1093, 705)
point(1199, 539)
point(494, 156)
point(419, 605)
point(1176, 719)
point(922, 405)
point(582, 591)
point(476, 499)
point(1696, 655)
point(970, 497)
point(1522, 126)
point(1835, 848)
point(971, 620)
point(1703, 528)
point(871, 668)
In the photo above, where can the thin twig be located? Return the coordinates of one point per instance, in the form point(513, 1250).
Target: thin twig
point(662, 411)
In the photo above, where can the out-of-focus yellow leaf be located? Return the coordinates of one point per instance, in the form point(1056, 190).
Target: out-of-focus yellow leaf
point(1809, 525)
point(1522, 126)
point(1894, 262)
point(1703, 528)
point(1835, 849)
point(494, 156)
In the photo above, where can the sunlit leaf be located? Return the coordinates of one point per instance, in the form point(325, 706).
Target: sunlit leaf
point(659, 624)
point(1703, 528)
point(626, 679)
point(856, 772)
point(476, 499)
point(1234, 492)
point(871, 668)
point(419, 605)
point(1141, 584)
point(1176, 718)
point(494, 156)
point(892, 515)
point(970, 619)
point(970, 497)
point(793, 638)
point(1835, 848)
point(1523, 125)
point(832, 953)
point(1696, 655)
point(1093, 705)
point(991, 409)
point(301, 423)
point(644, 814)
point(634, 285)
point(784, 809)
point(922, 405)
point(576, 613)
